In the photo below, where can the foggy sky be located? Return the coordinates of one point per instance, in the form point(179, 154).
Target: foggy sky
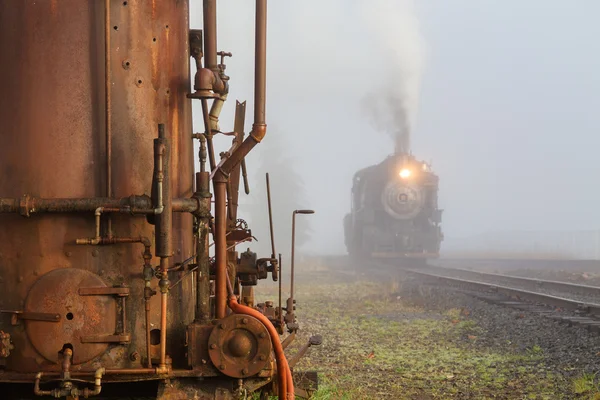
point(508, 107)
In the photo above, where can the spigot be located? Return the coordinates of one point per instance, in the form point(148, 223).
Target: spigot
point(222, 65)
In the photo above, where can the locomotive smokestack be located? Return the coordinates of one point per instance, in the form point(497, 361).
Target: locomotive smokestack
point(402, 141)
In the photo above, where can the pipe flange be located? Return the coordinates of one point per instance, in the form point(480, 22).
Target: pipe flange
point(239, 346)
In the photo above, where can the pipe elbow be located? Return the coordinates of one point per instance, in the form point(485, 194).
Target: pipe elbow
point(204, 80)
point(208, 83)
point(258, 132)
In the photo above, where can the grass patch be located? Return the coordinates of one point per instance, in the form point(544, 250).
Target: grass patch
point(378, 346)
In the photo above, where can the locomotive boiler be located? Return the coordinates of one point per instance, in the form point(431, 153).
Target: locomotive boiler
point(394, 211)
point(108, 287)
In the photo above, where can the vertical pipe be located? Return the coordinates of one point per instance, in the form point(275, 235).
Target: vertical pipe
point(164, 295)
point(260, 60)
point(292, 264)
point(203, 274)
point(259, 127)
point(209, 135)
point(280, 279)
point(148, 340)
point(210, 34)
point(164, 220)
point(107, 105)
point(220, 187)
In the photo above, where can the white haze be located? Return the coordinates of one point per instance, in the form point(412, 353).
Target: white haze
point(392, 105)
point(507, 108)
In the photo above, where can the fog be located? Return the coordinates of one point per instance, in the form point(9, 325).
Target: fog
point(502, 97)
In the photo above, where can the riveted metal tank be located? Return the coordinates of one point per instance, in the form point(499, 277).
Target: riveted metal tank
point(53, 144)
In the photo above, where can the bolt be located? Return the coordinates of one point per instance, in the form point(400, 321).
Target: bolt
point(262, 335)
point(222, 366)
point(244, 320)
point(245, 371)
point(68, 254)
point(95, 253)
point(213, 346)
point(134, 356)
point(203, 361)
point(221, 326)
point(261, 357)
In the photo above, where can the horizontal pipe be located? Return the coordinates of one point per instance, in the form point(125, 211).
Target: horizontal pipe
point(138, 205)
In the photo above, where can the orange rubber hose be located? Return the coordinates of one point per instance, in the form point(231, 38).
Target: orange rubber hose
point(286, 383)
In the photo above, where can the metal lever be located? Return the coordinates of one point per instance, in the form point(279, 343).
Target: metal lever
point(274, 263)
point(245, 177)
point(313, 341)
point(222, 65)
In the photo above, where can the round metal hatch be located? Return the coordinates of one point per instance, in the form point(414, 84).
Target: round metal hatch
point(57, 292)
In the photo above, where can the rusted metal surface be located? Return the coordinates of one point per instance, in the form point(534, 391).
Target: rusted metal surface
point(234, 177)
point(284, 374)
point(202, 248)
point(197, 344)
point(220, 187)
point(5, 344)
point(239, 346)
point(28, 206)
point(115, 71)
point(56, 53)
point(57, 293)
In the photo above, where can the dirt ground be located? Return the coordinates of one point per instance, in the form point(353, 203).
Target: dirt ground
point(378, 342)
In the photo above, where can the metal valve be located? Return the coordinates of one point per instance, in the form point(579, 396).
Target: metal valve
point(222, 65)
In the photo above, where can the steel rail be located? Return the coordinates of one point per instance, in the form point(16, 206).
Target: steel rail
point(534, 283)
point(561, 302)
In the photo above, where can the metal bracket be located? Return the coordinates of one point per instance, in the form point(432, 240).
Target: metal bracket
point(104, 291)
point(121, 293)
point(195, 38)
point(32, 316)
point(125, 338)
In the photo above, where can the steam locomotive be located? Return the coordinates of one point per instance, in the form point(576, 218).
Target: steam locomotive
point(394, 211)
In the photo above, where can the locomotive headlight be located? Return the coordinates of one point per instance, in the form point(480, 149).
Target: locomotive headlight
point(405, 173)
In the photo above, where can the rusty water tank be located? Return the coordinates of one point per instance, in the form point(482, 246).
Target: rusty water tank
point(53, 144)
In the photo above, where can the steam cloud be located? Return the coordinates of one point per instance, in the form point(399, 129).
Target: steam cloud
point(392, 106)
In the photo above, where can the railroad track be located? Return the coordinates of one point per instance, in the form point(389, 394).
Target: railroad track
point(565, 302)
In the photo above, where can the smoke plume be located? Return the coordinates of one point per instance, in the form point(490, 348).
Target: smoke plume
point(392, 105)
